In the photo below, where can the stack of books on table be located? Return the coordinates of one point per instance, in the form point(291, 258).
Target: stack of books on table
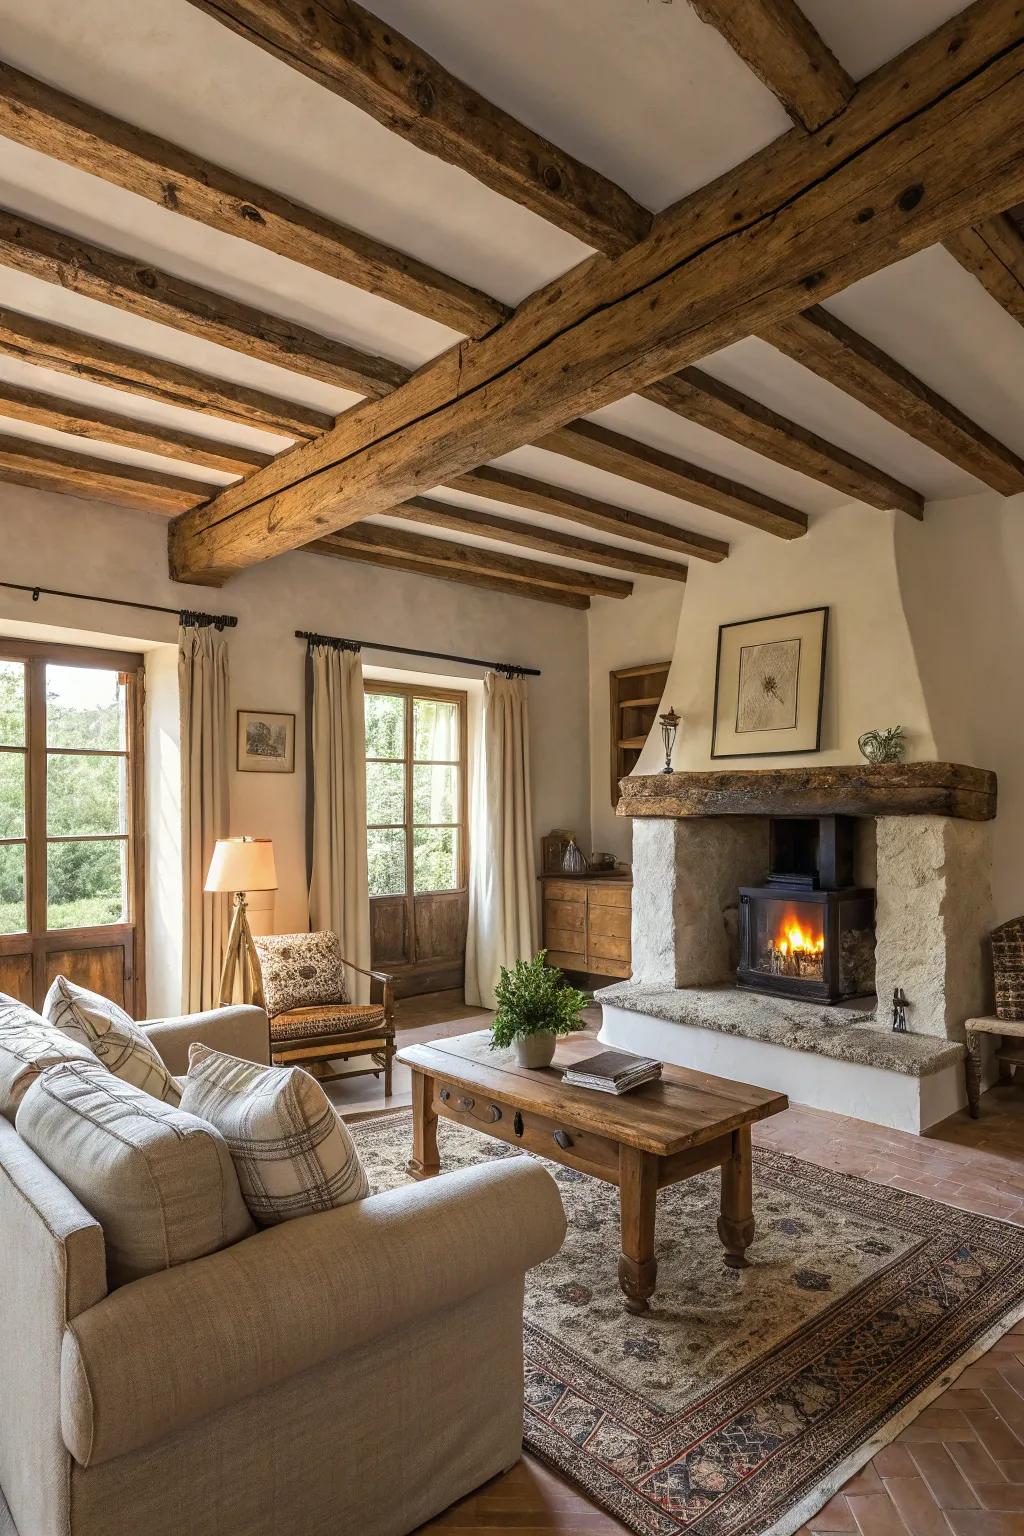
point(612, 1072)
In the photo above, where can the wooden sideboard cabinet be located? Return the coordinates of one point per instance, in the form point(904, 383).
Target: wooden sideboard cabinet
point(586, 922)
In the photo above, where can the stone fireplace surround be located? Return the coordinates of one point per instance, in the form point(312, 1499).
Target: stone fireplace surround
point(924, 842)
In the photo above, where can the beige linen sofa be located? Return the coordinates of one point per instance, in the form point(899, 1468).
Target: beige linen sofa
point(345, 1374)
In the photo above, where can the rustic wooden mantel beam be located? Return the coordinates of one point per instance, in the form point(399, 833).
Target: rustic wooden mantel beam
point(932, 142)
point(862, 789)
point(359, 57)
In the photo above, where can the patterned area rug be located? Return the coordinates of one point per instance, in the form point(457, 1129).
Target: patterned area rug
point(741, 1403)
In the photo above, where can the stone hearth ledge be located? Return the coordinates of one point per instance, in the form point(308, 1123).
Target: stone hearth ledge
point(844, 1032)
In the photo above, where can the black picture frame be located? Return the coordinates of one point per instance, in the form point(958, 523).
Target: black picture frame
point(769, 751)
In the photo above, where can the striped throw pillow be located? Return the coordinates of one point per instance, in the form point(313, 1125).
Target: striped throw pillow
point(113, 1037)
point(292, 1152)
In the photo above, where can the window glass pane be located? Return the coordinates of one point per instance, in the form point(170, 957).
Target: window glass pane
point(386, 861)
point(435, 859)
point(434, 793)
point(12, 888)
point(385, 725)
point(12, 794)
point(85, 707)
point(85, 795)
point(86, 884)
point(385, 792)
point(435, 729)
point(12, 704)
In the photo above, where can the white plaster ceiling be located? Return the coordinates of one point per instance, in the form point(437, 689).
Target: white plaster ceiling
point(640, 89)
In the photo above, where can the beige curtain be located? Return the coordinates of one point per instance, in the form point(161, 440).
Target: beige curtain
point(205, 745)
point(502, 883)
point(338, 891)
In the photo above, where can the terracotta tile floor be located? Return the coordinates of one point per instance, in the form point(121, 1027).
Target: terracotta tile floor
point(958, 1470)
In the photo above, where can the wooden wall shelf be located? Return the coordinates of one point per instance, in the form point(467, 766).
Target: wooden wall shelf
point(635, 698)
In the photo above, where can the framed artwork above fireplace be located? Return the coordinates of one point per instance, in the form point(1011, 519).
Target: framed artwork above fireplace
point(770, 685)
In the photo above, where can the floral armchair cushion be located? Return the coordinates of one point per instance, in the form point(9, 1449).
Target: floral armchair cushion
point(301, 970)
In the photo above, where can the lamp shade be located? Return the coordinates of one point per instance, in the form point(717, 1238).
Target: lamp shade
point(242, 864)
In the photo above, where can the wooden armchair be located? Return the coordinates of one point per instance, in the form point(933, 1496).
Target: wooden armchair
point(312, 1020)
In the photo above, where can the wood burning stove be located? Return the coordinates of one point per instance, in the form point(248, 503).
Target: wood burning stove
point(809, 931)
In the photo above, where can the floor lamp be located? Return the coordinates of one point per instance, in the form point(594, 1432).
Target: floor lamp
point(242, 864)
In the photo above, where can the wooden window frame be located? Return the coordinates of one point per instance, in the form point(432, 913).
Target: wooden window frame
point(37, 938)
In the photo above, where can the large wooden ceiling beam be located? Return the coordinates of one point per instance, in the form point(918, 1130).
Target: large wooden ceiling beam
point(393, 559)
point(775, 39)
point(479, 558)
point(589, 443)
point(932, 142)
point(69, 130)
point(833, 351)
point(711, 403)
point(488, 525)
point(46, 344)
point(993, 252)
point(77, 474)
point(46, 253)
point(537, 496)
point(81, 420)
point(360, 58)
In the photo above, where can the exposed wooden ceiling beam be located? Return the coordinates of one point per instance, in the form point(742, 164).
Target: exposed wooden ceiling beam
point(700, 397)
point(537, 496)
point(100, 274)
point(367, 62)
point(441, 514)
point(588, 443)
point(78, 474)
point(775, 39)
point(69, 130)
point(479, 558)
point(993, 251)
point(395, 561)
point(932, 142)
point(49, 345)
point(81, 420)
point(833, 351)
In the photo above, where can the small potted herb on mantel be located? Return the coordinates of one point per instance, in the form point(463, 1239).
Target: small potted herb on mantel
point(535, 1006)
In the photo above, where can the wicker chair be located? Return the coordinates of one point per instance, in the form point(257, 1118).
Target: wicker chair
point(312, 1020)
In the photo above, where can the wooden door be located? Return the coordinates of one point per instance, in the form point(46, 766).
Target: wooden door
point(71, 816)
point(417, 835)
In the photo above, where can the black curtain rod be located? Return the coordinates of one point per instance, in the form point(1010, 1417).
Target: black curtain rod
point(185, 615)
point(507, 667)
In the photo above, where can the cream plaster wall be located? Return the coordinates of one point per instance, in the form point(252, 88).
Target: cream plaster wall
point(79, 545)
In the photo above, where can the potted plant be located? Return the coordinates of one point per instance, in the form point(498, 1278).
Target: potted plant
point(535, 1006)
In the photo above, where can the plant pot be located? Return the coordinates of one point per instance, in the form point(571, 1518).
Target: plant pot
point(535, 1050)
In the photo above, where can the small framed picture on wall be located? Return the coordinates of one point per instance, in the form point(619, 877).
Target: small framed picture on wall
point(769, 685)
point(266, 742)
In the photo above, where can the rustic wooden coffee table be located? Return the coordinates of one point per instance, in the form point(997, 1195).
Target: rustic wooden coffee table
point(657, 1135)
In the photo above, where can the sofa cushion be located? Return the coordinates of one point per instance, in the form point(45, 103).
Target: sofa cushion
point(160, 1182)
point(112, 1036)
point(28, 1045)
point(292, 1151)
point(301, 970)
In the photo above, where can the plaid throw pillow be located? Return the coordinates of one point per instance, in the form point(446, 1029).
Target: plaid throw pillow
point(291, 1150)
point(28, 1045)
point(111, 1035)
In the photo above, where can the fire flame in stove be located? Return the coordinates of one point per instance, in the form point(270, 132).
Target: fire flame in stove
point(794, 940)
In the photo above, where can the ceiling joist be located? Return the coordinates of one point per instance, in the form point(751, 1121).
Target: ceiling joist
point(55, 469)
point(488, 525)
point(35, 114)
point(821, 342)
point(393, 559)
point(88, 269)
point(49, 345)
point(932, 142)
point(775, 39)
point(701, 398)
point(367, 62)
point(993, 252)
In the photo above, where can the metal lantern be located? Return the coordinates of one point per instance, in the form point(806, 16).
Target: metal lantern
point(669, 723)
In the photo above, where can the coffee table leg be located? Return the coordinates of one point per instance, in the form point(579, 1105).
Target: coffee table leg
point(425, 1161)
point(638, 1189)
point(736, 1223)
